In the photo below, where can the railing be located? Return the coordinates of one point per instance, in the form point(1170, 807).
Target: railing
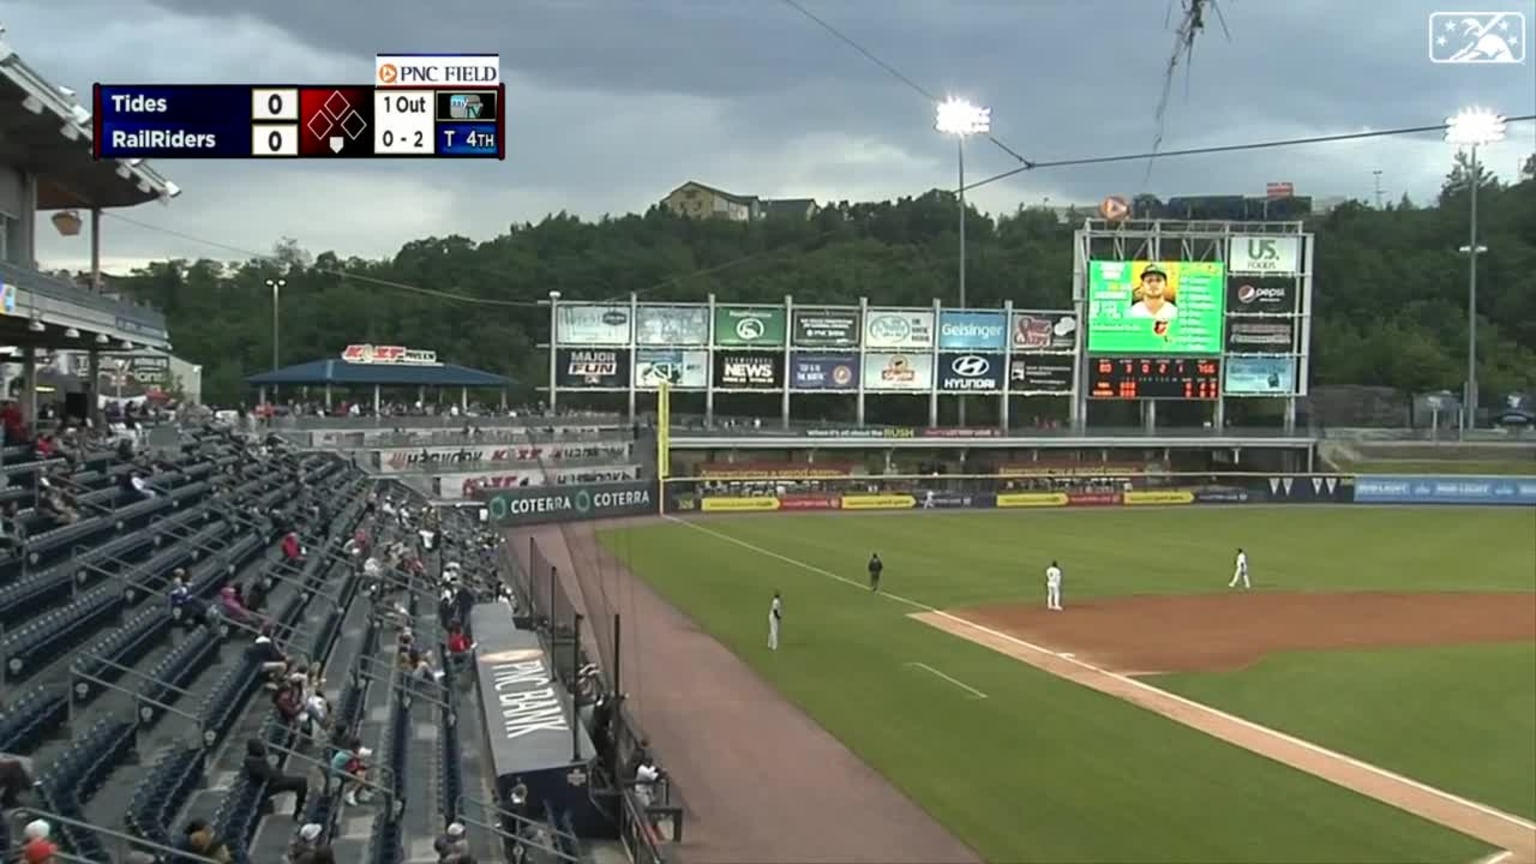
point(43, 285)
point(980, 434)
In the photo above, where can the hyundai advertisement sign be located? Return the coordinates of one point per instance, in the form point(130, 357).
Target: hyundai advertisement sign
point(1420, 489)
point(973, 331)
point(971, 373)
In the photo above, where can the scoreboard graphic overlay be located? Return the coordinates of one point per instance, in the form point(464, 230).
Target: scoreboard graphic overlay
point(197, 121)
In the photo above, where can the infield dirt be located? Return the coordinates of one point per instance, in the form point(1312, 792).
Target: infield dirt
point(1219, 632)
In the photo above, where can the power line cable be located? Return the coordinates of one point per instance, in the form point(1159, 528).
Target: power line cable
point(1226, 148)
point(928, 95)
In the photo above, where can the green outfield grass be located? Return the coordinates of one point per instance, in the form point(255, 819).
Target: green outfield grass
point(1494, 467)
point(1461, 718)
point(1044, 770)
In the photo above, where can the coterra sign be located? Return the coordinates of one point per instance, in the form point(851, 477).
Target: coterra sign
point(572, 503)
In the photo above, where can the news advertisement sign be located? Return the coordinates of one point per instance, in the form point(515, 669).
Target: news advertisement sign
point(592, 324)
point(1152, 308)
point(903, 329)
point(1260, 376)
point(592, 369)
point(905, 373)
point(1429, 489)
point(824, 372)
point(826, 328)
point(748, 370)
point(685, 370)
point(973, 330)
point(1043, 331)
point(672, 325)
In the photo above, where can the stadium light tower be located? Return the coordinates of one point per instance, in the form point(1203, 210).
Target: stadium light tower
point(960, 118)
point(1472, 128)
point(277, 289)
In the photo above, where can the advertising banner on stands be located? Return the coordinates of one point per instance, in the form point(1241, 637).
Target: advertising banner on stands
point(592, 369)
point(1040, 375)
point(592, 325)
point(1303, 489)
point(971, 373)
point(1260, 336)
point(824, 372)
point(1044, 331)
point(749, 327)
point(1260, 376)
point(761, 504)
point(898, 373)
point(1256, 295)
point(749, 371)
point(409, 461)
point(672, 325)
point(456, 486)
point(902, 329)
point(826, 328)
point(973, 330)
point(685, 370)
point(878, 502)
point(1266, 254)
point(1430, 489)
point(574, 503)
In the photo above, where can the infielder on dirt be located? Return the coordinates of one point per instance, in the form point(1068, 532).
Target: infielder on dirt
point(1053, 587)
point(1240, 571)
point(775, 615)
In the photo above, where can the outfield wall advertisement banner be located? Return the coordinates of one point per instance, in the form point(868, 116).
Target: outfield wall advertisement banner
point(1260, 376)
point(423, 459)
point(592, 369)
point(685, 370)
point(898, 328)
point(1043, 331)
point(1152, 307)
point(572, 503)
point(453, 487)
point(672, 325)
point(1422, 489)
point(826, 328)
point(896, 373)
point(972, 330)
point(749, 326)
point(592, 325)
point(1313, 489)
point(972, 373)
point(1040, 375)
point(824, 372)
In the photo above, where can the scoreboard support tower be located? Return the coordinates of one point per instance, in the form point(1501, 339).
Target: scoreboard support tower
point(1165, 240)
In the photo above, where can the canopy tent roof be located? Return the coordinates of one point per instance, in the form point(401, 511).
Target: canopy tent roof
point(382, 374)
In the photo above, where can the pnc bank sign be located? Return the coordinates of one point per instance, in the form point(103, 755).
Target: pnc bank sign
point(437, 70)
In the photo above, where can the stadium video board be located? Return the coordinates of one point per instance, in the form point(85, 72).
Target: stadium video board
point(1156, 307)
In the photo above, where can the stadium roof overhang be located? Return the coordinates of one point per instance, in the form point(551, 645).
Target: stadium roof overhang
point(50, 137)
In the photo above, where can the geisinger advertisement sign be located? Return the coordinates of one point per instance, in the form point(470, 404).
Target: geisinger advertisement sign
point(570, 503)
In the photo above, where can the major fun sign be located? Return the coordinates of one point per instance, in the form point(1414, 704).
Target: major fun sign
point(388, 354)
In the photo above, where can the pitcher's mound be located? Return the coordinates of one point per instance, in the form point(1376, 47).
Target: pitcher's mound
point(1142, 635)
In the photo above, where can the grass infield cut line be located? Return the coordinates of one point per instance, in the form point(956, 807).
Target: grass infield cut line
point(1495, 827)
point(975, 694)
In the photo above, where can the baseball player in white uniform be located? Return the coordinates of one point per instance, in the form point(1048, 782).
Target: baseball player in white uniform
point(1240, 571)
point(1053, 587)
point(775, 615)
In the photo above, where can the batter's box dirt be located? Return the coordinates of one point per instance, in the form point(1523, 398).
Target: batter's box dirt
point(1085, 643)
point(1218, 632)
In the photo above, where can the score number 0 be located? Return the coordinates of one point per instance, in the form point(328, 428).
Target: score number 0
point(274, 122)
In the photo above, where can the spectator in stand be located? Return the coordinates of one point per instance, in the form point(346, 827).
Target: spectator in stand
point(305, 843)
point(200, 839)
point(451, 843)
point(16, 431)
point(259, 768)
point(293, 550)
point(289, 700)
point(350, 766)
point(647, 775)
point(140, 485)
point(45, 448)
point(181, 597)
point(459, 645)
point(233, 606)
point(37, 844)
point(57, 506)
point(274, 663)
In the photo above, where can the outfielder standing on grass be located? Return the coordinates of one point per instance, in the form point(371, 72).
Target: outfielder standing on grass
point(1053, 587)
point(876, 566)
point(775, 615)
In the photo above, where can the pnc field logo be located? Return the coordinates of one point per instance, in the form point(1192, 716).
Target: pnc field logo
point(389, 73)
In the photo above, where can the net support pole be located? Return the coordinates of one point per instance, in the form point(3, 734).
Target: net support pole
point(575, 673)
point(663, 444)
point(618, 646)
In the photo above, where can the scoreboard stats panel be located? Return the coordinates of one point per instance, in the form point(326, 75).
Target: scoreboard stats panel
point(1154, 378)
point(322, 122)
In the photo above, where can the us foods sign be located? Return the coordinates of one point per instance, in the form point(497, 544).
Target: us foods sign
point(574, 503)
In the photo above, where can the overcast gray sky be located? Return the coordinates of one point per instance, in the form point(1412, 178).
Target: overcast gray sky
point(612, 103)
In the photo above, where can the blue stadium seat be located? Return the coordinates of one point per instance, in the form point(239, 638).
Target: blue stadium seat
point(179, 667)
point(32, 718)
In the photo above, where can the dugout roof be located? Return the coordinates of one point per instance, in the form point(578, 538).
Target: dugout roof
point(344, 373)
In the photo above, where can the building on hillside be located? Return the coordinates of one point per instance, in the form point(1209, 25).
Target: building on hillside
point(696, 201)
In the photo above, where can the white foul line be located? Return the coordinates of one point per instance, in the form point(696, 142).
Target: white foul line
point(1141, 685)
point(961, 684)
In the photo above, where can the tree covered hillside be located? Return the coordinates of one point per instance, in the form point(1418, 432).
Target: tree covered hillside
point(1390, 297)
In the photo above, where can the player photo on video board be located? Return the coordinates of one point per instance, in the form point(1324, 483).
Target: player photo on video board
point(1155, 307)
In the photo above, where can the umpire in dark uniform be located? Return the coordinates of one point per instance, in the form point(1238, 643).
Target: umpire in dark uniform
point(876, 566)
